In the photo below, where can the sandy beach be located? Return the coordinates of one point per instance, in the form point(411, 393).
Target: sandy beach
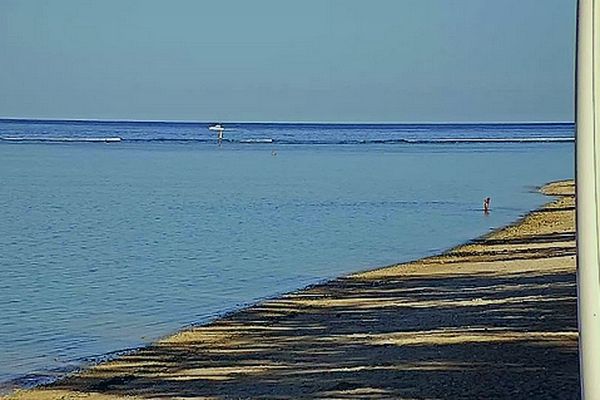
point(494, 318)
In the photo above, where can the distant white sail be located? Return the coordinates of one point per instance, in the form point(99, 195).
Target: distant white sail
point(216, 127)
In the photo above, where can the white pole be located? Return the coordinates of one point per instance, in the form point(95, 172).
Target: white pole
point(587, 177)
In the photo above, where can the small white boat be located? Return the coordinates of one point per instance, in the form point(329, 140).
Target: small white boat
point(216, 127)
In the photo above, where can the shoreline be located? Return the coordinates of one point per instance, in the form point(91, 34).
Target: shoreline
point(373, 313)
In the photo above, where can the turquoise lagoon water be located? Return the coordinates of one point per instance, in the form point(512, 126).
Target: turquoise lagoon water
point(105, 247)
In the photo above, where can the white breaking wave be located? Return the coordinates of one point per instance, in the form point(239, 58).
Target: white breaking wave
point(497, 140)
point(60, 139)
point(256, 140)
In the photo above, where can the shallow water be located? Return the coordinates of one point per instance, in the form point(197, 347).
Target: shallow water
point(109, 246)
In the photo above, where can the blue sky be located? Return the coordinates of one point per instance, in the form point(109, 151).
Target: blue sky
point(280, 60)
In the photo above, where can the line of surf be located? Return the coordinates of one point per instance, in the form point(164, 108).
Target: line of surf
point(116, 139)
point(61, 139)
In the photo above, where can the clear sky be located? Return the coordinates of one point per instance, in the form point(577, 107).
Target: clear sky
point(278, 60)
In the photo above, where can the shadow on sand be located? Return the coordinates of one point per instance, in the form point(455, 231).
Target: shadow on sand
point(447, 338)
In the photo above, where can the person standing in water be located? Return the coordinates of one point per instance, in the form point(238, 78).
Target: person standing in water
point(219, 129)
point(486, 205)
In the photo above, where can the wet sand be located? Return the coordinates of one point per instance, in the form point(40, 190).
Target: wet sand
point(495, 318)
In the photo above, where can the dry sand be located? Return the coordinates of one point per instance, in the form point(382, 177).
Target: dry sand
point(492, 319)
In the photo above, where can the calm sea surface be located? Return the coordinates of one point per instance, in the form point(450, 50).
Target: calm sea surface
point(108, 246)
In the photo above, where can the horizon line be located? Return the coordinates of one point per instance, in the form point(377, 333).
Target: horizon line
point(282, 122)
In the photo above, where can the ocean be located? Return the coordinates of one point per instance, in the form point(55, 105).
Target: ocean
point(114, 233)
